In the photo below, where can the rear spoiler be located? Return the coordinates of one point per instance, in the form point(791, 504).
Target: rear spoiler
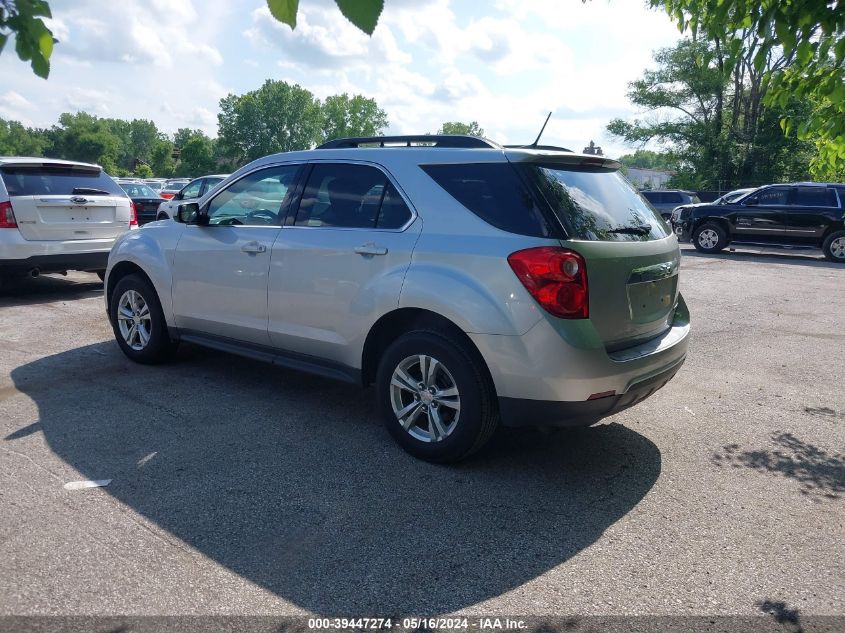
point(525, 155)
point(47, 164)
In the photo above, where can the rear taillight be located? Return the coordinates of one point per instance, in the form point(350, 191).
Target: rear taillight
point(556, 278)
point(7, 216)
point(133, 213)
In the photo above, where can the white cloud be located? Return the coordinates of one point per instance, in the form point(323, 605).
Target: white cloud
point(15, 106)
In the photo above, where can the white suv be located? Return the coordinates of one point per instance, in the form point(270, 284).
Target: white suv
point(472, 284)
point(58, 215)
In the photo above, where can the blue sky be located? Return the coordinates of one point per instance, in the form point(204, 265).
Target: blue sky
point(503, 63)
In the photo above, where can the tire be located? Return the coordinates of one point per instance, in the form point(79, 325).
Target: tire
point(158, 347)
point(834, 247)
point(709, 238)
point(462, 430)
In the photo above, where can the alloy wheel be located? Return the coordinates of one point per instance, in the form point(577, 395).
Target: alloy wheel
point(134, 320)
point(425, 398)
point(837, 248)
point(708, 238)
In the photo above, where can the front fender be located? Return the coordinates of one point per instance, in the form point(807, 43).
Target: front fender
point(152, 249)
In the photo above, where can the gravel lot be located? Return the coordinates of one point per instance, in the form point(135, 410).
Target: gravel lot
point(240, 488)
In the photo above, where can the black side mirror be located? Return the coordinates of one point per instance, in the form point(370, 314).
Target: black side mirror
point(190, 213)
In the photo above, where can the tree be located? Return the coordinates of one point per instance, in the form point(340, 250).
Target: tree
point(85, 137)
point(808, 33)
point(161, 158)
point(143, 171)
point(456, 127)
point(33, 40)
point(362, 13)
point(196, 156)
point(278, 117)
point(345, 116)
point(712, 119)
point(648, 159)
point(17, 140)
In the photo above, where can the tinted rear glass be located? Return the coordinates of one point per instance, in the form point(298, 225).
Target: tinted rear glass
point(495, 193)
point(672, 197)
point(595, 204)
point(815, 197)
point(134, 190)
point(43, 180)
point(651, 196)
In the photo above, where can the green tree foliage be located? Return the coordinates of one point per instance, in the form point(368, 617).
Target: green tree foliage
point(278, 117)
point(33, 40)
point(712, 119)
point(808, 34)
point(648, 159)
point(345, 116)
point(17, 140)
point(196, 156)
point(161, 158)
point(86, 138)
point(143, 171)
point(456, 127)
point(362, 13)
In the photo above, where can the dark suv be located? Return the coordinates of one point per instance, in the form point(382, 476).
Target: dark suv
point(666, 200)
point(801, 214)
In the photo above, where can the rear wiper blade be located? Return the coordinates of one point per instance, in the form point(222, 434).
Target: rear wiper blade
point(641, 229)
point(91, 190)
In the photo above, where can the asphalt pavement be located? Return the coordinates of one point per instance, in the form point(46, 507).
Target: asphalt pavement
point(241, 488)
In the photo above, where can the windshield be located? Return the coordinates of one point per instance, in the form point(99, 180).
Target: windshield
point(596, 204)
point(38, 180)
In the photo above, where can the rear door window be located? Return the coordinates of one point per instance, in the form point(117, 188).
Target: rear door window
point(595, 204)
point(814, 197)
point(346, 195)
point(651, 196)
point(672, 197)
point(61, 180)
point(495, 193)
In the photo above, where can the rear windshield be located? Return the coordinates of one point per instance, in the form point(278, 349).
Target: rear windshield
point(134, 190)
point(40, 180)
point(595, 204)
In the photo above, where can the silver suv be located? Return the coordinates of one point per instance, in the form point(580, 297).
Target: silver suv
point(474, 285)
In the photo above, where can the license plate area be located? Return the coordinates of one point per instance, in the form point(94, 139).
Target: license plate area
point(650, 301)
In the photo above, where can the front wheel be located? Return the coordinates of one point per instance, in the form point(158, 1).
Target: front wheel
point(435, 396)
point(834, 247)
point(709, 238)
point(138, 321)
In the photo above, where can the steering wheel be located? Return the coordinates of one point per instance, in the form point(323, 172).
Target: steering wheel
point(263, 214)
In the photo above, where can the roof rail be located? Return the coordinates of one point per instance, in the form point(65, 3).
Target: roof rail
point(545, 147)
point(435, 140)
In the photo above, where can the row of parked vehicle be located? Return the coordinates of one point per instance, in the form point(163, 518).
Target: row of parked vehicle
point(795, 216)
point(151, 204)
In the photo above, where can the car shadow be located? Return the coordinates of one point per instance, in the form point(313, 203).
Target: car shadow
point(290, 481)
point(49, 288)
point(811, 258)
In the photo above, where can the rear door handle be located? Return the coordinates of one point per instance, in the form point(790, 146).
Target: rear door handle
point(253, 247)
point(370, 249)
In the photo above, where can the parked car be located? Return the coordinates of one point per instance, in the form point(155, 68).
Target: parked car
point(192, 190)
point(58, 215)
point(801, 214)
point(474, 285)
point(144, 199)
point(666, 200)
point(733, 196)
point(172, 187)
point(155, 185)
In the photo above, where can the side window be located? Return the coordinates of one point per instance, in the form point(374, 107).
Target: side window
point(394, 213)
point(342, 195)
point(192, 190)
point(672, 197)
point(254, 200)
point(815, 197)
point(773, 196)
point(651, 196)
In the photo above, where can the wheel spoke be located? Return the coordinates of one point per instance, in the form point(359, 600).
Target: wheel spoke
point(124, 313)
point(431, 375)
point(435, 425)
point(452, 404)
point(403, 380)
point(408, 421)
point(143, 335)
point(423, 360)
point(447, 393)
point(144, 312)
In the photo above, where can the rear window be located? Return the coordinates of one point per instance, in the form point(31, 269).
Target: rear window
point(495, 193)
point(595, 204)
point(43, 180)
point(134, 190)
point(815, 197)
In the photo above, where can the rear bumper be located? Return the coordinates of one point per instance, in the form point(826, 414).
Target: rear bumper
point(522, 412)
point(56, 263)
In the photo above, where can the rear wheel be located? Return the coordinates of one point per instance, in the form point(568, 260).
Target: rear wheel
point(834, 247)
point(436, 398)
point(709, 238)
point(138, 321)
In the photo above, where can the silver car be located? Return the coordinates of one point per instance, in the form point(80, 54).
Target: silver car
point(473, 285)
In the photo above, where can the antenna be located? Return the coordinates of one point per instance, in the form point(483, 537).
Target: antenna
point(542, 129)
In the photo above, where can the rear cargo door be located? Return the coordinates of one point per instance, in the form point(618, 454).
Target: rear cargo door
point(65, 202)
point(632, 258)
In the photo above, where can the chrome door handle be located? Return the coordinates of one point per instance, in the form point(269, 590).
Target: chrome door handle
point(253, 247)
point(370, 249)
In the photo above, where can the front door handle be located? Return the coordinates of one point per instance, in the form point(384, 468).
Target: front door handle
point(253, 247)
point(370, 249)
